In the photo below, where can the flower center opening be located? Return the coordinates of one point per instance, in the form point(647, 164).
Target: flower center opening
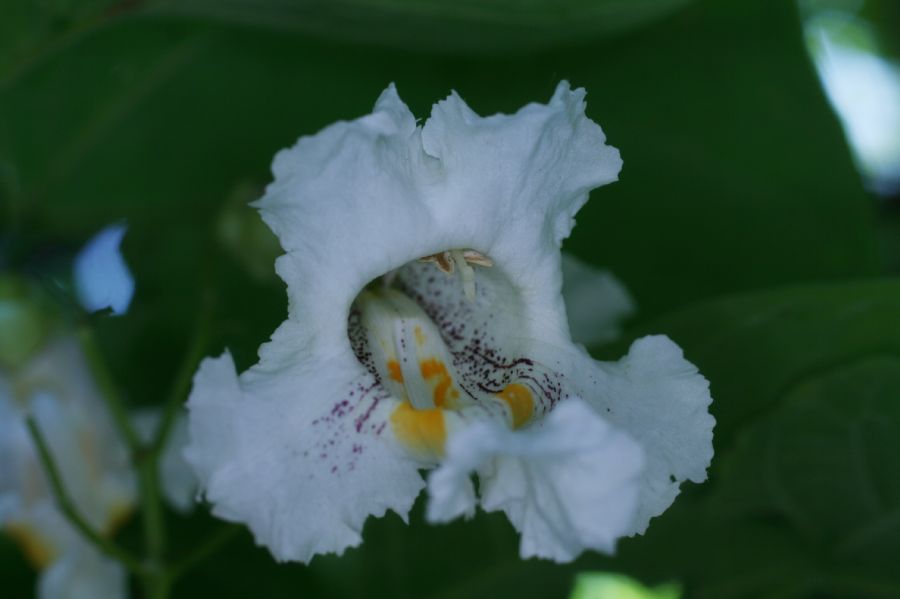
point(442, 374)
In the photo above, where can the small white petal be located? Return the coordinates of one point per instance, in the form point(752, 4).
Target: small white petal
point(537, 163)
point(662, 401)
point(102, 279)
point(568, 484)
point(596, 302)
point(83, 574)
point(179, 485)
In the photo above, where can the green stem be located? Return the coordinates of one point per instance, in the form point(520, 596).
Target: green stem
point(158, 580)
point(151, 508)
point(108, 388)
point(68, 508)
point(181, 385)
point(153, 573)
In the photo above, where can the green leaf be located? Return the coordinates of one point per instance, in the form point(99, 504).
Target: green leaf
point(828, 462)
point(804, 494)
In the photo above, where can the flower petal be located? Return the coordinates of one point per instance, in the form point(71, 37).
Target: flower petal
point(83, 574)
point(102, 278)
point(567, 485)
point(346, 206)
point(55, 387)
point(298, 448)
point(537, 165)
point(362, 198)
point(596, 302)
point(660, 399)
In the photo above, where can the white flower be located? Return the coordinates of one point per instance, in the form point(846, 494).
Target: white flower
point(426, 329)
point(55, 387)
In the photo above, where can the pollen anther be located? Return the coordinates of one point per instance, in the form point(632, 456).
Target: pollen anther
point(449, 261)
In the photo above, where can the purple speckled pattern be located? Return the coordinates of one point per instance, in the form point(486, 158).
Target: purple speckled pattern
point(484, 363)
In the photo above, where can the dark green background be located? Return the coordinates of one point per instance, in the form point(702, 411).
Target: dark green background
point(739, 225)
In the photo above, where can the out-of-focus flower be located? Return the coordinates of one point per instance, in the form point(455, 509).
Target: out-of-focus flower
point(596, 302)
point(102, 279)
point(427, 329)
point(55, 387)
point(246, 238)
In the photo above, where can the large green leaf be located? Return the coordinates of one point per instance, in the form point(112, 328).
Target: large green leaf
point(806, 505)
point(804, 494)
point(827, 462)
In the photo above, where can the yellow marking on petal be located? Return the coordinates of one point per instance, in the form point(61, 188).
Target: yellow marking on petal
point(394, 371)
point(521, 403)
point(435, 372)
point(38, 551)
point(422, 431)
point(420, 335)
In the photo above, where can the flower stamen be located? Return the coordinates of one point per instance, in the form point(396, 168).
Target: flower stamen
point(448, 261)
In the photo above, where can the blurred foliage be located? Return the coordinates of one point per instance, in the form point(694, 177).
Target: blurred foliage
point(23, 323)
point(804, 491)
point(598, 585)
point(736, 180)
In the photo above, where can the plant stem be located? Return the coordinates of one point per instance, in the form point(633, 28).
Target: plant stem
point(151, 508)
point(182, 382)
point(145, 461)
point(68, 507)
point(108, 388)
point(158, 581)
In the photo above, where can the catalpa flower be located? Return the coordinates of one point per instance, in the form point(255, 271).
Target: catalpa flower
point(426, 331)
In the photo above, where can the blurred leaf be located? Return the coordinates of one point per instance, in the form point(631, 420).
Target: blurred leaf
point(827, 461)
point(600, 585)
point(441, 25)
